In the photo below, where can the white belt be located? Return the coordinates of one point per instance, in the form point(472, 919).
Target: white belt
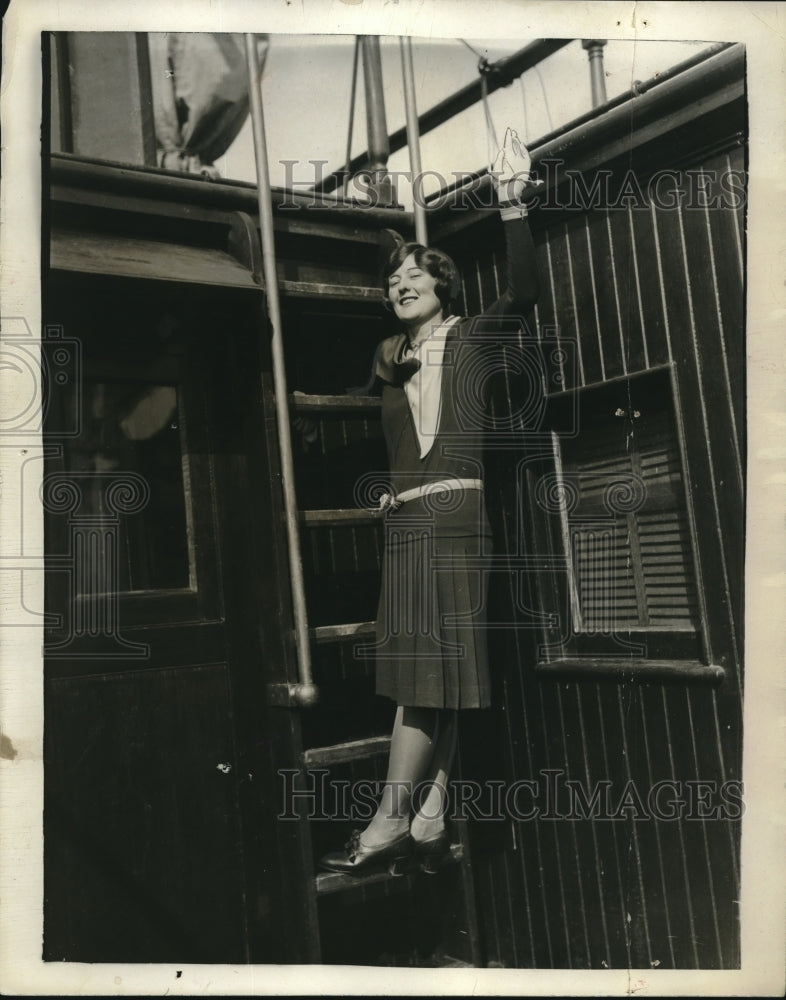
point(390, 502)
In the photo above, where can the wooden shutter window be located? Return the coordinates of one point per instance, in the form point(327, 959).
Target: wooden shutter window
point(632, 568)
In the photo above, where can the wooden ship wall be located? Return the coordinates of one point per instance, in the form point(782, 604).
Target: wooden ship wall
point(166, 769)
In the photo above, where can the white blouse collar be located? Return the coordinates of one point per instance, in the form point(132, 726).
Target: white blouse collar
point(424, 388)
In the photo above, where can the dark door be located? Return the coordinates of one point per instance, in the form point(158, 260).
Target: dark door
point(156, 808)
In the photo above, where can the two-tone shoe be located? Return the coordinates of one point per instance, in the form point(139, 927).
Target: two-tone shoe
point(357, 859)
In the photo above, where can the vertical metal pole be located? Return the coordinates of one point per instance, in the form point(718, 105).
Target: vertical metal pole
point(351, 127)
point(64, 98)
point(594, 49)
point(306, 692)
point(413, 140)
point(376, 123)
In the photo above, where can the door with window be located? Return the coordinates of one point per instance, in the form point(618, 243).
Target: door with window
point(155, 653)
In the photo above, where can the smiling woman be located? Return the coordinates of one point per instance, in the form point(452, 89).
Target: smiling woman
point(419, 288)
point(430, 645)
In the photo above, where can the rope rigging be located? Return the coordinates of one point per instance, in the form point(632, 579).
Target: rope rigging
point(487, 70)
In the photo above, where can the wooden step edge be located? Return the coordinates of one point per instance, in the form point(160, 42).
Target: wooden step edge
point(329, 882)
point(308, 403)
point(346, 517)
point(341, 753)
point(327, 290)
point(339, 633)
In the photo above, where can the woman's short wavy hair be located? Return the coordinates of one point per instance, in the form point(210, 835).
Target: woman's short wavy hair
point(437, 263)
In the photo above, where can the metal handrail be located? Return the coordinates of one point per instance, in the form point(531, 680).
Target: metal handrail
point(305, 693)
point(413, 137)
point(352, 95)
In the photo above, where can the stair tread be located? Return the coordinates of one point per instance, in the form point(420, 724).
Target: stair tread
point(320, 289)
point(345, 630)
point(339, 515)
point(351, 750)
point(327, 882)
point(312, 403)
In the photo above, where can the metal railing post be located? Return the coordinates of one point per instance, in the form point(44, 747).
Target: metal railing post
point(305, 693)
point(350, 128)
point(413, 140)
point(594, 49)
point(376, 122)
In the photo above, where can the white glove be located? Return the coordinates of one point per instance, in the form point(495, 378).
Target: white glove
point(510, 172)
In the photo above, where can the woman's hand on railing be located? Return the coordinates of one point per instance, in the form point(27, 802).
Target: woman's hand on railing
point(511, 170)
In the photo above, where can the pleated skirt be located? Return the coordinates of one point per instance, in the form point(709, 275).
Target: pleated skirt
point(431, 643)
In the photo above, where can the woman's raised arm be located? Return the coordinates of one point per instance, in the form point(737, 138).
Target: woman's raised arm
point(510, 174)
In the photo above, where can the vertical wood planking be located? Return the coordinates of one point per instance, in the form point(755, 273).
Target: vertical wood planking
point(550, 753)
point(636, 287)
point(583, 294)
point(708, 357)
point(579, 853)
point(605, 292)
point(671, 883)
point(708, 482)
point(634, 348)
point(565, 315)
point(613, 855)
point(532, 866)
point(665, 916)
point(572, 319)
point(649, 264)
point(547, 303)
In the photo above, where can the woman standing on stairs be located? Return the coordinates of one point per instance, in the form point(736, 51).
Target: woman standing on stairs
point(431, 644)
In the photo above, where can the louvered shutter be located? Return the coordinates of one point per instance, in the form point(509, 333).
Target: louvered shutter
point(631, 568)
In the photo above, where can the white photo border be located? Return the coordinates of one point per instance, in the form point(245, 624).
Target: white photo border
point(763, 904)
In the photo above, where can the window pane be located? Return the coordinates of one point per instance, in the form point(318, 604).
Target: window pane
point(135, 427)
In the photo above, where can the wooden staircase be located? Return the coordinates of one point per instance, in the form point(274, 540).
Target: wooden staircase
point(330, 331)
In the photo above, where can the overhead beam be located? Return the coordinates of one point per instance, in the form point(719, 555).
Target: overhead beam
point(502, 73)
